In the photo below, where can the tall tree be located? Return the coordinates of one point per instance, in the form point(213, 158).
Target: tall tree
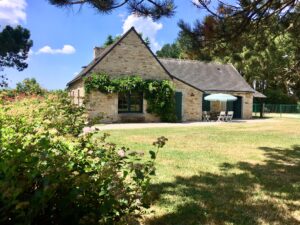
point(30, 86)
point(169, 51)
point(110, 40)
point(14, 49)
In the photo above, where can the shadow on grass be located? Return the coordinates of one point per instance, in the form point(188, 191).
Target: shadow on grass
point(263, 193)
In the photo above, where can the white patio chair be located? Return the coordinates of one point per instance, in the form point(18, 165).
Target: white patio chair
point(222, 116)
point(205, 116)
point(229, 116)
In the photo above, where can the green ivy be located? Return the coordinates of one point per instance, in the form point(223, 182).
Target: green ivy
point(158, 93)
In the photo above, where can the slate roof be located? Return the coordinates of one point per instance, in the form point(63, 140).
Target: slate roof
point(259, 95)
point(207, 76)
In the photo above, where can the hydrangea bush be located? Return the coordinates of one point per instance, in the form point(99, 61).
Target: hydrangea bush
point(53, 173)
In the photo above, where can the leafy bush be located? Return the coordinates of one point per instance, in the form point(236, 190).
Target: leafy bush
point(160, 99)
point(49, 174)
point(30, 86)
point(279, 97)
point(7, 95)
point(53, 111)
point(158, 93)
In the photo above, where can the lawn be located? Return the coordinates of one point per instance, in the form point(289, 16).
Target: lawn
point(234, 173)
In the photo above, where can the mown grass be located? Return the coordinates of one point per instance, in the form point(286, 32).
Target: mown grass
point(228, 174)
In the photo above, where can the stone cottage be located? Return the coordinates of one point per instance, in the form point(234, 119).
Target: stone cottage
point(193, 80)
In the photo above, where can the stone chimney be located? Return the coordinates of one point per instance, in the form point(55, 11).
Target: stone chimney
point(98, 51)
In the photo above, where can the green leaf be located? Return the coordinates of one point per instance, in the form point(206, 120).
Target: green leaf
point(153, 154)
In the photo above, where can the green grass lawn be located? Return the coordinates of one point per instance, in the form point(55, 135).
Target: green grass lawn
point(234, 173)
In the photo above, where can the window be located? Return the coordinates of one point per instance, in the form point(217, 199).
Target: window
point(130, 102)
point(78, 96)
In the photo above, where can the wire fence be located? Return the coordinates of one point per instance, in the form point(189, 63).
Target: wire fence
point(277, 110)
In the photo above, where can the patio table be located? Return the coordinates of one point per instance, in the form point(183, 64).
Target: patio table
point(214, 115)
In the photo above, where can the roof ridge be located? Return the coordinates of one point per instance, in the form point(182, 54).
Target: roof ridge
point(194, 60)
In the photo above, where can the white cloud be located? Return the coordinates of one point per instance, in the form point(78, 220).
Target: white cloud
point(12, 11)
point(67, 49)
point(30, 52)
point(196, 2)
point(122, 16)
point(146, 26)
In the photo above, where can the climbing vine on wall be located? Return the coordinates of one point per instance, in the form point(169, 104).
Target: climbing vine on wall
point(158, 93)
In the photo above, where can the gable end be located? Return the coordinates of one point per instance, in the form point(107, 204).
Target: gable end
point(99, 65)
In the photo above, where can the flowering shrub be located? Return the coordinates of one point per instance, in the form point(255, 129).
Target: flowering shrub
point(51, 173)
point(52, 111)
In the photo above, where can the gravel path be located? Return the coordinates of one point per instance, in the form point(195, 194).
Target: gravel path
point(125, 126)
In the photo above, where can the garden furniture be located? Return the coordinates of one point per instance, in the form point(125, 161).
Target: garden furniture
point(206, 116)
point(229, 116)
point(222, 116)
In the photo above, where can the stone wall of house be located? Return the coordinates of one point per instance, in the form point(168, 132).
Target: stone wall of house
point(76, 92)
point(131, 57)
point(191, 101)
point(247, 104)
point(103, 108)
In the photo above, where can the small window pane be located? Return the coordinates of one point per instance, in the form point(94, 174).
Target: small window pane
point(136, 100)
point(130, 102)
point(123, 103)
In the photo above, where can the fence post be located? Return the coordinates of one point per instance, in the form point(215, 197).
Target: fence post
point(280, 108)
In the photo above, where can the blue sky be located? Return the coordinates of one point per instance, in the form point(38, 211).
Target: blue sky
point(64, 39)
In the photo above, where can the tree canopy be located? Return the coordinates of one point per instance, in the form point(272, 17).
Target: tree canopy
point(169, 51)
point(30, 86)
point(153, 8)
point(110, 40)
point(268, 59)
point(242, 13)
point(245, 15)
point(14, 49)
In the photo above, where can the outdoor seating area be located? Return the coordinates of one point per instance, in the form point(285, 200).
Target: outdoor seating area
point(224, 115)
point(217, 116)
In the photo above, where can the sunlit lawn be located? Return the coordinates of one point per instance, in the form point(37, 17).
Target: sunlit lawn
point(228, 174)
